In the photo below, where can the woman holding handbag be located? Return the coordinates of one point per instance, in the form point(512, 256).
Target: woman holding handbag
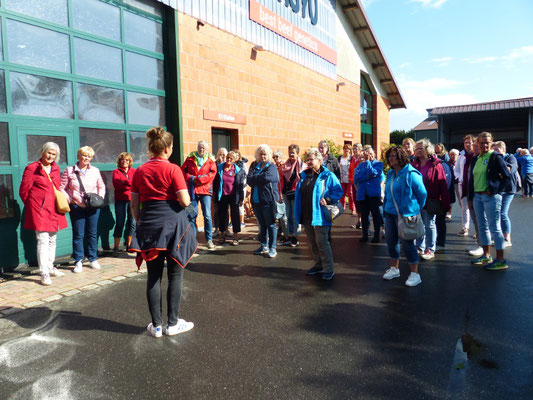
point(122, 177)
point(405, 196)
point(290, 176)
point(78, 181)
point(41, 213)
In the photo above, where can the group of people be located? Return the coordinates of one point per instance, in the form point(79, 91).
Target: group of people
point(158, 203)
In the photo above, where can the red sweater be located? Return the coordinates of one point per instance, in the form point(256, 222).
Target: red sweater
point(122, 183)
point(203, 177)
point(435, 181)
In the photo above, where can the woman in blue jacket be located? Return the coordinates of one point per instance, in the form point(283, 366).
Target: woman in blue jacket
point(526, 161)
point(367, 177)
point(263, 178)
point(410, 194)
point(228, 191)
point(317, 188)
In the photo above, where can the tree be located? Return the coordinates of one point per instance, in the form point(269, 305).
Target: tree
point(397, 136)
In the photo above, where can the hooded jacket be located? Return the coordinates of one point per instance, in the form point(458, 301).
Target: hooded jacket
point(327, 186)
point(435, 182)
point(409, 191)
point(367, 177)
point(264, 183)
point(204, 174)
point(498, 175)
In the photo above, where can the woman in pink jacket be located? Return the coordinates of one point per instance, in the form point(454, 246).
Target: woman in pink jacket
point(84, 220)
point(40, 213)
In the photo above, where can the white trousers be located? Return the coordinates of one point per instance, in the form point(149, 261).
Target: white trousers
point(46, 250)
point(465, 212)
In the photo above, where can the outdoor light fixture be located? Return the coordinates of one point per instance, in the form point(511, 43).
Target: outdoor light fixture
point(258, 48)
point(199, 24)
point(339, 84)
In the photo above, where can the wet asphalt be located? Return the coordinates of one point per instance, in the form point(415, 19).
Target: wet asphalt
point(265, 330)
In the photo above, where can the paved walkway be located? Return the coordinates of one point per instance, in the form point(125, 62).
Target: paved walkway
point(26, 291)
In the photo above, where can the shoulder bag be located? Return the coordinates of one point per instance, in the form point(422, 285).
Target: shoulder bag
point(409, 228)
point(280, 206)
point(335, 209)
point(62, 206)
point(91, 200)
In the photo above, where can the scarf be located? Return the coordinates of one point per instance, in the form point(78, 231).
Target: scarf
point(288, 169)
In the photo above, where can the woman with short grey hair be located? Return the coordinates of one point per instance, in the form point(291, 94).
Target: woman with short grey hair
point(41, 215)
point(317, 188)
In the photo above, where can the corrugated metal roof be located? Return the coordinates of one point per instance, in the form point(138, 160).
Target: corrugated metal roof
point(511, 104)
point(367, 38)
point(427, 124)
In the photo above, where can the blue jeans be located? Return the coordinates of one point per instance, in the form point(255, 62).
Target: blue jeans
point(292, 227)
point(394, 241)
point(84, 224)
point(507, 198)
point(123, 210)
point(267, 224)
point(205, 202)
point(428, 240)
point(488, 214)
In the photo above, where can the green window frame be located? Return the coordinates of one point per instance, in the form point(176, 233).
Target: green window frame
point(72, 33)
point(367, 101)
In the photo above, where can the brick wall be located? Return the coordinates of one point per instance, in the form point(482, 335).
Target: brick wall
point(382, 123)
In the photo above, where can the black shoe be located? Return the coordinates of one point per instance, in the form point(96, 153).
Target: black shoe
point(364, 239)
point(315, 270)
point(375, 239)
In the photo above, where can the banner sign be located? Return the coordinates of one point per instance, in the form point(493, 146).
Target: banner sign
point(272, 21)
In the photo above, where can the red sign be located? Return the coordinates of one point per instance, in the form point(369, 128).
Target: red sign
point(225, 117)
point(270, 20)
point(347, 135)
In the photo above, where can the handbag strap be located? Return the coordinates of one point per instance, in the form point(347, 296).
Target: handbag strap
point(48, 175)
point(79, 179)
point(393, 199)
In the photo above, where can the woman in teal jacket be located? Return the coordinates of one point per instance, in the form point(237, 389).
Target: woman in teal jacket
point(410, 195)
point(317, 188)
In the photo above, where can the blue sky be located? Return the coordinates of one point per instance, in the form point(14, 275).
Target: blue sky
point(452, 52)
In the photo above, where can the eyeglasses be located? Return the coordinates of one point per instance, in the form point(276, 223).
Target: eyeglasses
point(310, 160)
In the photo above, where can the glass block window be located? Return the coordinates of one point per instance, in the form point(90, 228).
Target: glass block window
point(7, 198)
point(50, 10)
point(3, 108)
point(98, 60)
point(34, 144)
point(5, 156)
point(366, 104)
point(37, 47)
point(146, 109)
point(106, 143)
point(143, 32)
point(41, 96)
point(144, 71)
point(139, 147)
point(99, 103)
point(106, 25)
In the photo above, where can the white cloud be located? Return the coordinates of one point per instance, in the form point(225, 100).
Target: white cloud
point(430, 3)
point(479, 60)
point(441, 59)
point(518, 54)
point(406, 64)
point(429, 93)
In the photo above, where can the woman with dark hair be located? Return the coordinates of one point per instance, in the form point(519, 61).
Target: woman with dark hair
point(438, 195)
point(404, 186)
point(122, 177)
point(290, 176)
point(368, 177)
point(159, 196)
point(228, 190)
point(40, 212)
point(488, 179)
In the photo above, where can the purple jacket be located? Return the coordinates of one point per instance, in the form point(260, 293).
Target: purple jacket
point(435, 181)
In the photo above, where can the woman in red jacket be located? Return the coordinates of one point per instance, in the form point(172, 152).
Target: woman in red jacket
point(122, 177)
point(41, 215)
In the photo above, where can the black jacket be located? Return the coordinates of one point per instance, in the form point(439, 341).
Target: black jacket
point(333, 165)
point(266, 181)
point(498, 175)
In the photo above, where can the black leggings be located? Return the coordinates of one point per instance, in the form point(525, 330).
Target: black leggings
point(225, 202)
point(153, 288)
point(367, 206)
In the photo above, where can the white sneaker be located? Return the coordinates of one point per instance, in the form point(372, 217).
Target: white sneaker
point(78, 267)
point(413, 280)
point(155, 331)
point(45, 280)
point(55, 272)
point(180, 327)
point(507, 243)
point(476, 251)
point(391, 273)
point(95, 264)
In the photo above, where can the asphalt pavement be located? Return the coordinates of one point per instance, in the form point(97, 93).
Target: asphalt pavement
point(265, 330)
